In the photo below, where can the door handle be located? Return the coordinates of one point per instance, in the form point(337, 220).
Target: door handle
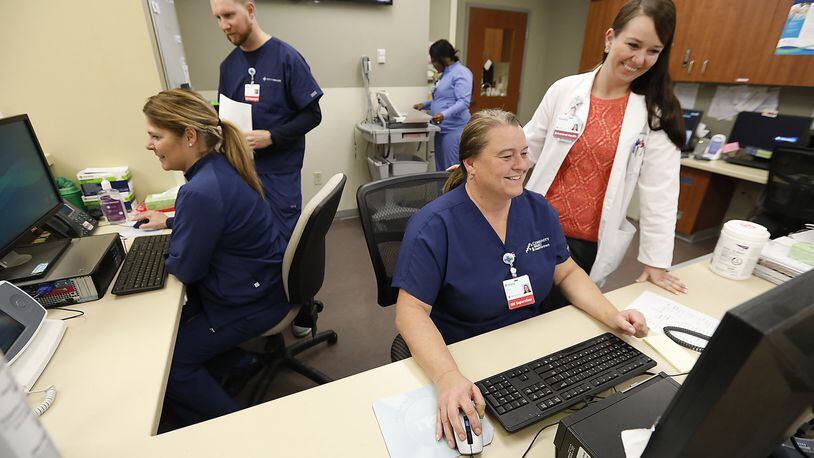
point(686, 59)
point(704, 66)
point(689, 67)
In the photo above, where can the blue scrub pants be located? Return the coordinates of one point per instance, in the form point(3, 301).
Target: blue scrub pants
point(284, 195)
point(201, 356)
point(446, 147)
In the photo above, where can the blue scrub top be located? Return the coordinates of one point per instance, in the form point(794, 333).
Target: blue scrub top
point(452, 259)
point(225, 245)
point(286, 87)
point(452, 95)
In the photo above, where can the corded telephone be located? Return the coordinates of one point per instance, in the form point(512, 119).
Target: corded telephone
point(72, 222)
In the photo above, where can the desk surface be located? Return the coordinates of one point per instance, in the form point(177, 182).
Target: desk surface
point(722, 167)
point(111, 369)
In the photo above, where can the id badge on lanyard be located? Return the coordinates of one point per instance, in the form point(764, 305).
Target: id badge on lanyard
point(251, 91)
point(517, 289)
point(568, 126)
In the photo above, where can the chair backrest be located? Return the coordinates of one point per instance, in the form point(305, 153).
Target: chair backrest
point(790, 189)
point(304, 260)
point(385, 206)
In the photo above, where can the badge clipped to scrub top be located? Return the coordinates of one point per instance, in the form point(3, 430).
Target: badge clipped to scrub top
point(568, 125)
point(518, 289)
point(251, 91)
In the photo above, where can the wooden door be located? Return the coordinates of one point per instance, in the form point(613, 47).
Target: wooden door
point(601, 14)
point(780, 70)
point(730, 43)
point(691, 27)
point(498, 36)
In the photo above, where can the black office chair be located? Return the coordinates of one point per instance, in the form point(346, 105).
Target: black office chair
point(303, 273)
point(788, 199)
point(385, 206)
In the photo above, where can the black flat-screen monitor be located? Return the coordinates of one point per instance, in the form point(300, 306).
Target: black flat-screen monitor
point(753, 385)
point(28, 194)
point(691, 120)
point(756, 130)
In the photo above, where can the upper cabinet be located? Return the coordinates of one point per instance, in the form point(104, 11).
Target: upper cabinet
point(718, 41)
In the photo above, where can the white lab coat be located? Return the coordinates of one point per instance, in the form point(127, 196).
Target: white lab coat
point(653, 168)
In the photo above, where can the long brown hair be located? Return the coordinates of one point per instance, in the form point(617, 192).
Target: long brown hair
point(663, 108)
point(474, 139)
point(179, 109)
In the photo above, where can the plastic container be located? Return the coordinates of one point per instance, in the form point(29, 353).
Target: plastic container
point(112, 204)
point(70, 192)
point(738, 249)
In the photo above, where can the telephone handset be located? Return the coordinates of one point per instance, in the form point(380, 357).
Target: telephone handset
point(72, 222)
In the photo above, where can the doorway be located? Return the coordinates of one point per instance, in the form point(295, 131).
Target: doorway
point(494, 53)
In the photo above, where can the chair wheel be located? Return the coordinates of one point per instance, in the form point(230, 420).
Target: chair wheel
point(332, 338)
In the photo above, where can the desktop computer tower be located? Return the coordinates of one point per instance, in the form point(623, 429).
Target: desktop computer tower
point(82, 274)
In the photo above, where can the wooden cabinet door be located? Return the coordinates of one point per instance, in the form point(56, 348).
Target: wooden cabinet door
point(780, 70)
point(738, 31)
point(691, 27)
point(601, 14)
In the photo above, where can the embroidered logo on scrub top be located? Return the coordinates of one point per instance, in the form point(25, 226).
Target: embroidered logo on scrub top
point(538, 245)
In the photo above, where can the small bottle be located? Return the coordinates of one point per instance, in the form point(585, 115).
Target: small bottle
point(112, 203)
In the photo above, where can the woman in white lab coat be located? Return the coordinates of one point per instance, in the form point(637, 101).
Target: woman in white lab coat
point(598, 136)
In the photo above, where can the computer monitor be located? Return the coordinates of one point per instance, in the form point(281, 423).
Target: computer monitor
point(28, 197)
point(691, 120)
point(753, 385)
point(758, 131)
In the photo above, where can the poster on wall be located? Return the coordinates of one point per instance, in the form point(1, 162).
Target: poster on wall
point(798, 34)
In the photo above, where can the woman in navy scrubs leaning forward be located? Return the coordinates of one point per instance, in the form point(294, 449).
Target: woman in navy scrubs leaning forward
point(225, 247)
point(468, 255)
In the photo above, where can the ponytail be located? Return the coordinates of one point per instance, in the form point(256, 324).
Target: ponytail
point(457, 177)
point(179, 109)
point(238, 153)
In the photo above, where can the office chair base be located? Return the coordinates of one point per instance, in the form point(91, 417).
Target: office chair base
point(279, 356)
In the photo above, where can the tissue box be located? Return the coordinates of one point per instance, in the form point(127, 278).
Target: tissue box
point(164, 201)
point(92, 204)
point(90, 179)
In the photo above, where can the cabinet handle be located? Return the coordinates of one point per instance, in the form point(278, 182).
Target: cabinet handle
point(686, 58)
point(741, 80)
point(689, 67)
point(704, 66)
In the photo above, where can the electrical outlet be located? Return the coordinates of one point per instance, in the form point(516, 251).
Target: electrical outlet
point(317, 178)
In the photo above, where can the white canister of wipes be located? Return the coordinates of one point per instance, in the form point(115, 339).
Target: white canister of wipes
point(738, 249)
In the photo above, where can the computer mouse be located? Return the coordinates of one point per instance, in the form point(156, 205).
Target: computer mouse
point(140, 222)
point(473, 444)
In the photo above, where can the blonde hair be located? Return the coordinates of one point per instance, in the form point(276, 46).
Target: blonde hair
point(178, 109)
point(475, 138)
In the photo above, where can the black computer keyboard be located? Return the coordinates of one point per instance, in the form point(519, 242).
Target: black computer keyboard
point(529, 393)
point(748, 161)
point(143, 268)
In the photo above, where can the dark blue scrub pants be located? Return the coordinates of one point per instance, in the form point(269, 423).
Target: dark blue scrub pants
point(202, 356)
point(284, 194)
point(446, 147)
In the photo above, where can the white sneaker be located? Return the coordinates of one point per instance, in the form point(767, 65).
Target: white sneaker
point(300, 331)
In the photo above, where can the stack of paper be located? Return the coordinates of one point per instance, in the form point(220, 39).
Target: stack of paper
point(775, 264)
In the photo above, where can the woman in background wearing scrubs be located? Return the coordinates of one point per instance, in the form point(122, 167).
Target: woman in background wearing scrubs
point(467, 255)
point(598, 136)
point(225, 246)
point(449, 106)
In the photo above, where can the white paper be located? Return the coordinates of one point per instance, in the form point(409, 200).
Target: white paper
point(238, 113)
point(812, 122)
point(728, 101)
point(407, 422)
point(21, 434)
point(660, 311)
point(799, 29)
point(130, 232)
point(635, 440)
point(686, 93)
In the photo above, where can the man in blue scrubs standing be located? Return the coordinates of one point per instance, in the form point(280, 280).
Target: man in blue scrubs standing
point(274, 78)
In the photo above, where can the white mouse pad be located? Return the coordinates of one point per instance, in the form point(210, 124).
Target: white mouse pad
point(407, 422)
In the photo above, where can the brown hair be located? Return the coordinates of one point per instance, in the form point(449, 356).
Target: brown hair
point(179, 109)
point(474, 139)
point(663, 108)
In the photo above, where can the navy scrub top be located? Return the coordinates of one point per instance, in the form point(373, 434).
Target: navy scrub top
point(225, 246)
point(451, 259)
point(286, 87)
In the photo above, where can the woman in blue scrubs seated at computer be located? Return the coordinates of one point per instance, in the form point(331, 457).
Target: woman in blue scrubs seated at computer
point(483, 256)
point(225, 246)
